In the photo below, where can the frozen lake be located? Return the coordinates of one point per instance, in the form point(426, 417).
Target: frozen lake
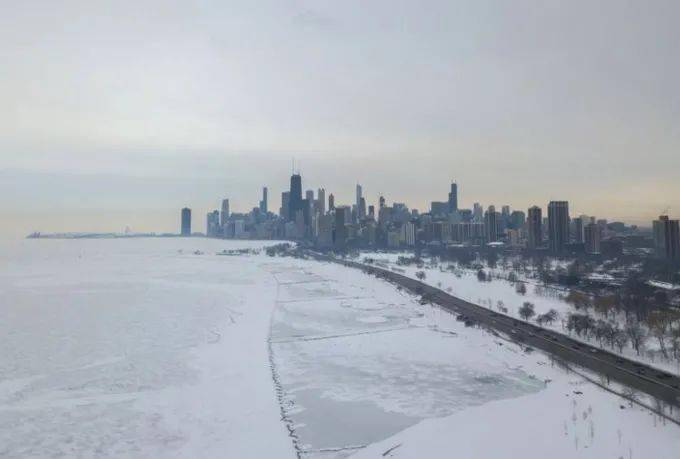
point(360, 361)
point(161, 348)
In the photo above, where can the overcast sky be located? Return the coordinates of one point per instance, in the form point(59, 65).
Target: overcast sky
point(119, 113)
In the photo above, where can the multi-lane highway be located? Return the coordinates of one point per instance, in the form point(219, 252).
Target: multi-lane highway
point(659, 384)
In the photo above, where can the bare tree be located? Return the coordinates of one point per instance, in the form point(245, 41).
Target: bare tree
point(620, 339)
point(521, 288)
point(637, 335)
point(657, 326)
point(675, 342)
point(527, 310)
point(547, 318)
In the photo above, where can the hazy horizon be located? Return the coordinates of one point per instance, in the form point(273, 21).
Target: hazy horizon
point(118, 114)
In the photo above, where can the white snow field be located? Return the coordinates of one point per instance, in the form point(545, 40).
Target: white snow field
point(128, 348)
point(147, 348)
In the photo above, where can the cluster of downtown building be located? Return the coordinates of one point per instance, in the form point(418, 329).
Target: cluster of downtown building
point(318, 220)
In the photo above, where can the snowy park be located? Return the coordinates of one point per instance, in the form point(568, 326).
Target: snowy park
point(170, 348)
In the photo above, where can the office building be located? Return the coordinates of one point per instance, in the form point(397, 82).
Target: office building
point(439, 208)
point(359, 195)
point(224, 216)
point(517, 219)
point(453, 198)
point(361, 210)
point(477, 213)
point(284, 212)
point(331, 202)
point(263, 202)
point(295, 198)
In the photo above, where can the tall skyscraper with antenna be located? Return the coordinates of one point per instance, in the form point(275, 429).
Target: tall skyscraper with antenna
point(295, 197)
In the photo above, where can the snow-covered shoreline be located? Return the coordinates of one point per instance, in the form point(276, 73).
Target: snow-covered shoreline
point(500, 294)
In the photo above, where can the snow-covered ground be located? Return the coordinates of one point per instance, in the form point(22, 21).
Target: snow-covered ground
point(147, 348)
point(499, 292)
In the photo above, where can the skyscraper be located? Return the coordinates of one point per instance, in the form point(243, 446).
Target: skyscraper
point(331, 202)
point(558, 225)
point(340, 228)
point(295, 199)
point(381, 202)
point(579, 228)
point(186, 222)
point(504, 222)
point(517, 219)
point(321, 200)
point(225, 213)
point(285, 205)
point(359, 194)
point(361, 210)
point(453, 198)
point(535, 227)
point(592, 236)
point(667, 237)
point(491, 224)
point(263, 202)
point(212, 224)
point(477, 213)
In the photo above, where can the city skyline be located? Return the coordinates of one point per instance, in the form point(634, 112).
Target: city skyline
point(445, 225)
point(349, 197)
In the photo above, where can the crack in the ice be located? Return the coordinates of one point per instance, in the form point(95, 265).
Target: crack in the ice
point(367, 332)
point(327, 298)
point(337, 449)
point(278, 387)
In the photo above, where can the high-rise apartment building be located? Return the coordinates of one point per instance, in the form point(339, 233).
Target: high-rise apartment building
point(491, 224)
point(321, 201)
point(534, 227)
point(212, 224)
point(592, 235)
point(341, 215)
point(579, 230)
point(558, 225)
point(186, 222)
point(667, 237)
